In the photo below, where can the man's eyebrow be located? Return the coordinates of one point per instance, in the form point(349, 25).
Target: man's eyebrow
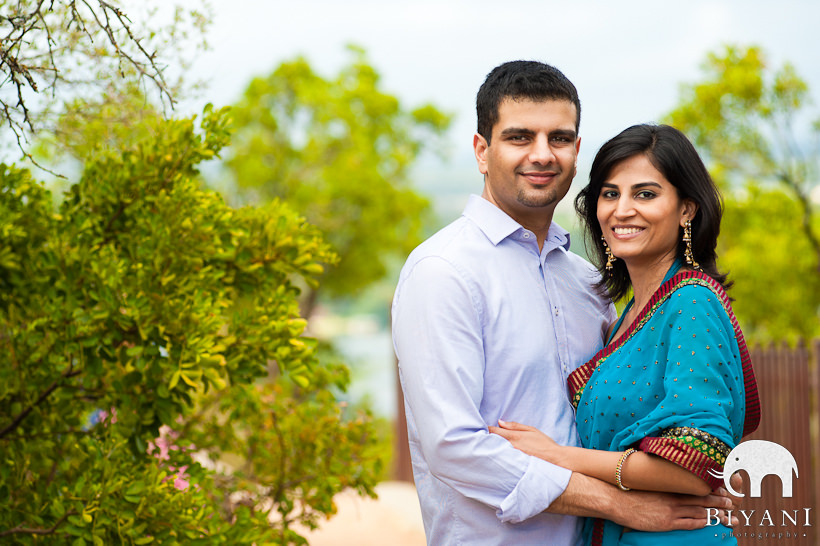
point(517, 131)
point(564, 133)
point(569, 133)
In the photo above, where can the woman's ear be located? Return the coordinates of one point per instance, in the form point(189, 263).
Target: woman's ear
point(688, 210)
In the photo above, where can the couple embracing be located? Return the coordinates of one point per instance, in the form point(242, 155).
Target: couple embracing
point(535, 416)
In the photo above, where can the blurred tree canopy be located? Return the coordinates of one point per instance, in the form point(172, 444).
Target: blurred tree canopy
point(155, 385)
point(339, 151)
point(753, 125)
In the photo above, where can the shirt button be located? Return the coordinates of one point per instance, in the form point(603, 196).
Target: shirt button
point(526, 235)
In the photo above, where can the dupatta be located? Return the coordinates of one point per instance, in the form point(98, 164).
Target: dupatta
point(678, 383)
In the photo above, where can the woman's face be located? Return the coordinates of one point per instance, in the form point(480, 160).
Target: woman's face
point(640, 214)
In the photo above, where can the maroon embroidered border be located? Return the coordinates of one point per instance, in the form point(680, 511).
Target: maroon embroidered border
point(686, 456)
point(597, 532)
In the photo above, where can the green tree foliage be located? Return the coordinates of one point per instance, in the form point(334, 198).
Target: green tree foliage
point(292, 448)
point(138, 324)
point(339, 151)
point(751, 122)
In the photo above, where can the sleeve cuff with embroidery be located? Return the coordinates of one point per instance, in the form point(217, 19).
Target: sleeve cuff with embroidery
point(695, 450)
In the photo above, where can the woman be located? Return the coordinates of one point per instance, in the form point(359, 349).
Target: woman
point(673, 391)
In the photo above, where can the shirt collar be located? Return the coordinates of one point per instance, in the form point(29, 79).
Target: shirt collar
point(497, 225)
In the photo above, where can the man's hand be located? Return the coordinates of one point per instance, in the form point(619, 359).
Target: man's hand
point(648, 511)
point(737, 485)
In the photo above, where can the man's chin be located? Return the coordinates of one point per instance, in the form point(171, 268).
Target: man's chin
point(547, 198)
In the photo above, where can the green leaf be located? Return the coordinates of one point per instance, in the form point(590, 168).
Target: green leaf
point(174, 379)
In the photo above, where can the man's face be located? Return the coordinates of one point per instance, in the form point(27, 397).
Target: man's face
point(531, 161)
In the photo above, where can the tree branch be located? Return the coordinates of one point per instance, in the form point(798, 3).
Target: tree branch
point(45, 394)
point(30, 531)
point(36, 34)
point(806, 209)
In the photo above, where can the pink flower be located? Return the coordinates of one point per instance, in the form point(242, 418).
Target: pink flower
point(164, 443)
point(181, 483)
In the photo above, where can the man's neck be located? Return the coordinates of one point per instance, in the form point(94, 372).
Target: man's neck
point(538, 221)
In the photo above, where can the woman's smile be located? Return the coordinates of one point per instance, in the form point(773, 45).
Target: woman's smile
point(626, 232)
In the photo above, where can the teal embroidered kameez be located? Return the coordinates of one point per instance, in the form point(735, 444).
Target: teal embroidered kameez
point(678, 384)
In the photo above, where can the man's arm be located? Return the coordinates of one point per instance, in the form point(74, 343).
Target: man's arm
point(438, 338)
point(641, 510)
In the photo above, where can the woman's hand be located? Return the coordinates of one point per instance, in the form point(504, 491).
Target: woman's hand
point(530, 440)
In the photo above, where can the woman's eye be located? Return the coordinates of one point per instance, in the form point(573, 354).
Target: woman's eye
point(645, 194)
point(609, 194)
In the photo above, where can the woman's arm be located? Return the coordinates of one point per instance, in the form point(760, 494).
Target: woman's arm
point(640, 470)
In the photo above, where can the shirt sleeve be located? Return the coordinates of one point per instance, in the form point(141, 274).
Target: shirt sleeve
point(437, 335)
point(700, 415)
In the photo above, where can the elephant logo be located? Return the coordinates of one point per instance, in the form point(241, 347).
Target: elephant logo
point(759, 458)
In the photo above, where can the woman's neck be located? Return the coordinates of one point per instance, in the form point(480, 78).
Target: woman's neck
point(646, 279)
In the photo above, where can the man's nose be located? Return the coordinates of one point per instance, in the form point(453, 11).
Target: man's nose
point(541, 152)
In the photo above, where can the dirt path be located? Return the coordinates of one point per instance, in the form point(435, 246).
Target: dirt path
point(394, 518)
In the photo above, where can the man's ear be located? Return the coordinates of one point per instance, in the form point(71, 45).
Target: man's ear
point(480, 148)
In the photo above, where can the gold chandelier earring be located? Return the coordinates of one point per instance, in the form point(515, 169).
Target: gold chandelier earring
point(687, 240)
point(610, 257)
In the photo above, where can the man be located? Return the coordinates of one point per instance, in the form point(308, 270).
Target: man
point(490, 316)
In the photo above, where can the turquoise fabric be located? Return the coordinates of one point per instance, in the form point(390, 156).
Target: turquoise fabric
point(718, 534)
point(672, 385)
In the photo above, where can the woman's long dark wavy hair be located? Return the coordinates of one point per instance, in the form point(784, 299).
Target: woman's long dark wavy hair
point(673, 155)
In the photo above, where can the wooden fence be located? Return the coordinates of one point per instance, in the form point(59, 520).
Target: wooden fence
point(789, 384)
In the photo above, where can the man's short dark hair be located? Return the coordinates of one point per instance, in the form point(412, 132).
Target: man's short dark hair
point(522, 80)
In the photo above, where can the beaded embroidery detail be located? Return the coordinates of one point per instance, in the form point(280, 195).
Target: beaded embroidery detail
point(704, 442)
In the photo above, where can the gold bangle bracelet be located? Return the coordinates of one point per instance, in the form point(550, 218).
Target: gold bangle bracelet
point(619, 468)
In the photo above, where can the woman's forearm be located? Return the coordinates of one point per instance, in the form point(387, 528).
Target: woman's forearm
point(640, 470)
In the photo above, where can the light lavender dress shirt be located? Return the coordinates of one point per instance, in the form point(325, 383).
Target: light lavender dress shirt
point(486, 328)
